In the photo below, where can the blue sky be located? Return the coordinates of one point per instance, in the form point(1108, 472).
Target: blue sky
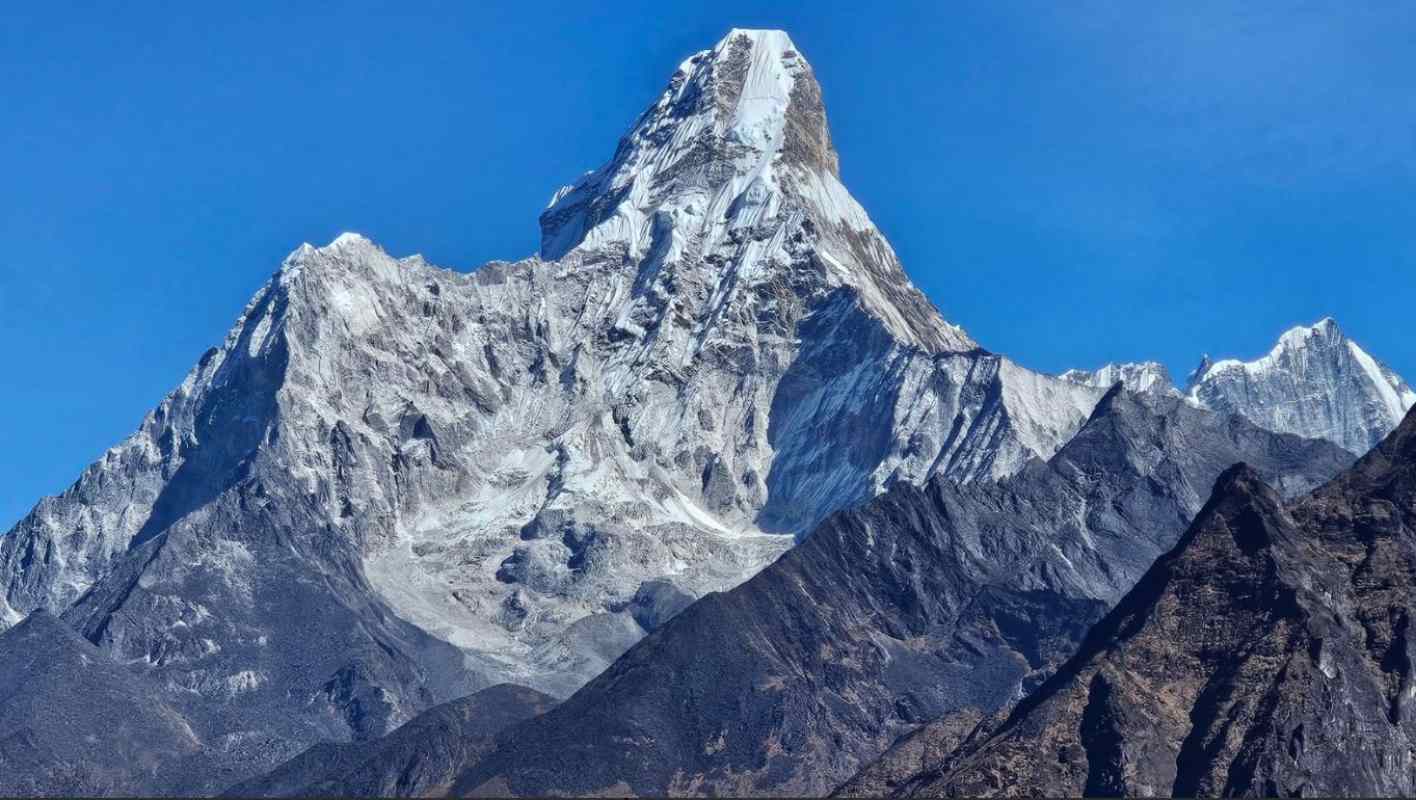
point(1073, 182)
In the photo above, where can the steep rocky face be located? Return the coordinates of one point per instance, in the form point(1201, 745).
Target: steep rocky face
point(512, 474)
point(420, 759)
point(1268, 653)
point(925, 602)
point(1315, 382)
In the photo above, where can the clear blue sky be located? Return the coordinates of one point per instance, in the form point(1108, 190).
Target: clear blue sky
point(1073, 182)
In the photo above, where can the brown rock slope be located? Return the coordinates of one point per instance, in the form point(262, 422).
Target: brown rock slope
point(1269, 653)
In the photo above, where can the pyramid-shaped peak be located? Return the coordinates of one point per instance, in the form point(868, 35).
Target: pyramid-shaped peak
point(739, 128)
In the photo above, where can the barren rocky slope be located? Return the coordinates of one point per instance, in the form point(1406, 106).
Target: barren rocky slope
point(419, 759)
point(1268, 653)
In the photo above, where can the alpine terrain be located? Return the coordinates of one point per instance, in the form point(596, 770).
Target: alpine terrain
point(925, 602)
point(395, 484)
point(1268, 654)
point(401, 511)
point(1315, 382)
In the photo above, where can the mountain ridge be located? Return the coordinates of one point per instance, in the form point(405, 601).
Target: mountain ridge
point(924, 602)
point(394, 485)
point(1315, 382)
point(1266, 653)
point(462, 479)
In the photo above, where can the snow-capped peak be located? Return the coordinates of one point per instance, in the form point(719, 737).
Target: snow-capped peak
point(708, 151)
point(1144, 376)
point(1323, 333)
point(347, 239)
point(732, 171)
point(1314, 382)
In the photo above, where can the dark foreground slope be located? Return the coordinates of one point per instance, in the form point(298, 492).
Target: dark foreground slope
point(925, 602)
point(419, 759)
point(74, 722)
point(1269, 653)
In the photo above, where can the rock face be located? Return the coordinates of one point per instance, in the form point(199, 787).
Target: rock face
point(950, 598)
point(1315, 383)
point(73, 722)
point(420, 759)
point(1268, 653)
point(394, 484)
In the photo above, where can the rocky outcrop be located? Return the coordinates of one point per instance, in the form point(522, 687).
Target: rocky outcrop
point(1266, 654)
point(925, 602)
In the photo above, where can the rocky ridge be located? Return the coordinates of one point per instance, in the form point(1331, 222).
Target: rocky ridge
point(394, 484)
point(925, 602)
point(1266, 654)
point(1315, 382)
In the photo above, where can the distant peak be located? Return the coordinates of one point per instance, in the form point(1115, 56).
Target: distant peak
point(1323, 333)
point(1142, 376)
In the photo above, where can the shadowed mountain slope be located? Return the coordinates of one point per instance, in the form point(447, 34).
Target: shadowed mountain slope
point(924, 602)
point(1269, 653)
point(420, 759)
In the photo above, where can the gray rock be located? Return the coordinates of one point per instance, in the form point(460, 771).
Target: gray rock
point(1268, 654)
point(923, 603)
point(420, 759)
point(73, 722)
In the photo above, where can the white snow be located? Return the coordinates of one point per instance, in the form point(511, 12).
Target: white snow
point(1314, 382)
point(1396, 398)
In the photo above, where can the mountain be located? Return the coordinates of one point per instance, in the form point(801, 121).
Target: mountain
point(1145, 376)
point(394, 484)
point(1268, 653)
point(926, 601)
point(419, 759)
point(1315, 382)
point(74, 722)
